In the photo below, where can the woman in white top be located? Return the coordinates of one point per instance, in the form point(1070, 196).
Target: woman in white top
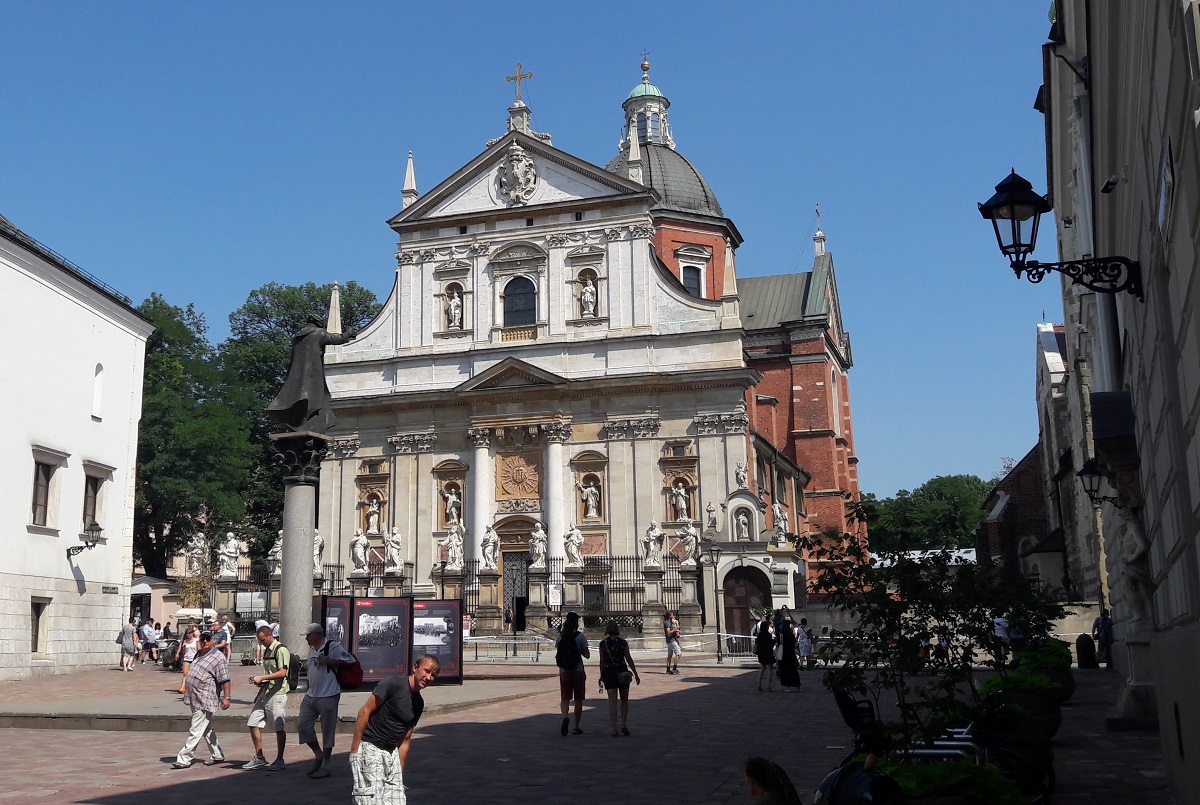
point(187, 653)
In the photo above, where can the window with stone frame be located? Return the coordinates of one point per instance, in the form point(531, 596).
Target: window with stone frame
point(92, 487)
point(693, 280)
point(520, 302)
point(43, 476)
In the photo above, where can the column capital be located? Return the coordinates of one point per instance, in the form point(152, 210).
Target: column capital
point(480, 437)
point(301, 454)
point(557, 431)
point(413, 442)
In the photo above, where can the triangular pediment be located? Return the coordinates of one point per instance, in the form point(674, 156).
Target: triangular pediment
point(511, 373)
point(486, 184)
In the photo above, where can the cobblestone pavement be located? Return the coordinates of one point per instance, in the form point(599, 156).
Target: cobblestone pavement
point(691, 734)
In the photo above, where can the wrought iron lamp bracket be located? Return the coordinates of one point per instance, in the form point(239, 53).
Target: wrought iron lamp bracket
point(1100, 274)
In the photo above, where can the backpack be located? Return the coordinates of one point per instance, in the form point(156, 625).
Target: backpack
point(567, 655)
point(293, 668)
point(348, 676)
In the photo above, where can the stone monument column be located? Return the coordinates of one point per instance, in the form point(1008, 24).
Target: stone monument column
point(481, 489)
point(557, 434)
point(689, 602)
point(652, 607)
point(302, 453)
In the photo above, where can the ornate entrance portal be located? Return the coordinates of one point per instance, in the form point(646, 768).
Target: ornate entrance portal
point(745, 588)
point(516, 586)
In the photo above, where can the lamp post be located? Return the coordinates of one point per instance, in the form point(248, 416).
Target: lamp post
point(442, 580)
point(1015, 211)
point(1089, 475)
point(714, 556)
point(91, 536)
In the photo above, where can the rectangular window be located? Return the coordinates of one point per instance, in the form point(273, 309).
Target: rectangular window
point(42, 473)
point(91, 494)
point(37, 612)
point(528, 222)
point(462, 230)
point(578, 216)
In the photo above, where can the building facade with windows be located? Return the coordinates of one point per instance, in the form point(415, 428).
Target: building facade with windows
point(75, 401)
point(564, 351)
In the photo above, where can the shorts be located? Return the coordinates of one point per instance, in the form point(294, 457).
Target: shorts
point(571, 685)
point(673, 648)
point(148, 646)
point(268, 709)
point(611, 677)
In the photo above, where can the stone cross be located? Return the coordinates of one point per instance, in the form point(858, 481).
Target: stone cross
point(518, 78)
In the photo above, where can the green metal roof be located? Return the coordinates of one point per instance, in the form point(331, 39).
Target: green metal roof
point(645, 88)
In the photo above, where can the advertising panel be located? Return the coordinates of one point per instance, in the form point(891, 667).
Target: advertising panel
point(437, 630)
point(382, 628)
point(336, 617)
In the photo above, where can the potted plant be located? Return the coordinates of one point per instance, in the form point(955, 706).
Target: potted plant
point(954, 782)
point(1050, 658)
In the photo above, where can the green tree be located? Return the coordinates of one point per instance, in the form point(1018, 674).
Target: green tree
point(941, 513)
point(193, 447)
point(258, 351)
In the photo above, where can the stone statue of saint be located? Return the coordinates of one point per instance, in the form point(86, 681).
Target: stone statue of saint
point(490, 548)
point(537, 546)
point(373, 517)
point(689, 539)
point(275, 555)
point(318, 552)
point(711, 510)
point(393, 562)
point(741, 474)
point(196, 552)
point(453, 543)
point(743, 525)
point(680, 500)
point(454, 311)
point(652, 545)
point(228, 555)
point(590, 492)
point(453, 505)
point(779, 515)
point(587, 298)
point(573, 545)
point(359, 545)
point(303, 402)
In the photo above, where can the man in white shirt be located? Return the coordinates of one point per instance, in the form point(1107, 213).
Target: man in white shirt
point(321, 700)
point(149, 642)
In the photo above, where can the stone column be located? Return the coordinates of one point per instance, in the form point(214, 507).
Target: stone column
point(489, 615)
point(481, 492)
point(653, 608)
point(302, 453)
point(689, 602)
point(556, 433)
point(538, 611)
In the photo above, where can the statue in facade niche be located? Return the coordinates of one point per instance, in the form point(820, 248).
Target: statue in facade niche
point(275, 555)
point(741, 474)
point(453, 543)
point(393, 562)
point(590, 493)
point(454, 310)
point(743, 525)
point(453, 505)
point(712, 515)
point(490, 548)
point(573, 546)
point(303, 402)
point(689, 538)
point(587, 298)
point(359, 546)
point(537, 546)
point(373, 517)
point(318, 552)
point(652, 545)
point(680, 500)
point(228, 554)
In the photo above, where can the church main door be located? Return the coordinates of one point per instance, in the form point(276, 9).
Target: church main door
point(516, 586)
point(745, 588)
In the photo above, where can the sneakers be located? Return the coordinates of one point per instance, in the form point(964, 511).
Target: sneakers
point(178, 765)
point(212, 761)
point(256, 762)
point(320, 773)
point(277, 765)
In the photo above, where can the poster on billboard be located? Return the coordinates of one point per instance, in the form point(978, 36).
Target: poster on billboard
point(336, 619)
point(382, 630)
point(437, 630)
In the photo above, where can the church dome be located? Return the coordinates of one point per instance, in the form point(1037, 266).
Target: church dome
point(643, 89)
point(681, 187)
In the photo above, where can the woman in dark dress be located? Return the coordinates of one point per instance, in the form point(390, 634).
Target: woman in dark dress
point(764, 649)
point(789, 663)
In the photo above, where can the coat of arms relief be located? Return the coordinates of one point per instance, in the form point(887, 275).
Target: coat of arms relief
point(518, 177)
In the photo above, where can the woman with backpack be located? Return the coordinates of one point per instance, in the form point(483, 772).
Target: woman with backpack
point(569, 653)
point(617, 670)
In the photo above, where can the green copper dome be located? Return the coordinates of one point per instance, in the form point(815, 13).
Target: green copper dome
point(645, 88)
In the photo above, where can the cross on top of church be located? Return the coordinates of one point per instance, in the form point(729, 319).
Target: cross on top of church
point(518, 78)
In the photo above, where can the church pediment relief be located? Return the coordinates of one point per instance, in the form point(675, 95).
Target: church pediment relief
point(586, 254)
point(509, 374)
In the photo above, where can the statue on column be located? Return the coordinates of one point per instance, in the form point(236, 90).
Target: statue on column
point(359, 545)
point(453, 543)
point(392, 562)
point(228, 555)
point(741, 474)
point(587, 298)
point(197, 553)
point(590, 493)
point(453, 505)
point(454, 310)
point(652, 545)
point(573, 545)
point(680, 500)
point(303, 402)
point(275, 555)
point(537, 546)
point(373, 517)
point(490, 548)
point(318, 552)
point(689, 538)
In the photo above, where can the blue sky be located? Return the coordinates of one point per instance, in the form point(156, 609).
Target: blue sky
point(203, 150)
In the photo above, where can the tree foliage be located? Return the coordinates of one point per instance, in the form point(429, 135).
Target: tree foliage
point(194, 452)
point(941, 513)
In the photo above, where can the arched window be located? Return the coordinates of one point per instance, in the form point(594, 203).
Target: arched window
point(691, 280)
point(641, 127)
point(520, 303)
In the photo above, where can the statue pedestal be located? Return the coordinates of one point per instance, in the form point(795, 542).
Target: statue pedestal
point(573, 588)
point(537, 613)
point(302, 453)
point(451, 583)
point(689, 602)
point(653, 608)
point(1137, 703)
point(489, 615)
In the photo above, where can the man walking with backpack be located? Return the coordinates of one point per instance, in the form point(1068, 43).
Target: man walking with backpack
point(271, 701)
point(570, 650)
point(325, 657)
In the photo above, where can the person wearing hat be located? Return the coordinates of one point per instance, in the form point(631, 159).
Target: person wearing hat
point(324, 694)
point(617, 670)
point(207, 690)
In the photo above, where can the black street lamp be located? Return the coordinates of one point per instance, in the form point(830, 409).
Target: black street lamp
point(441, 580)
point(91, 536)
point(714, 556)
point(1089, 475)
point(1015, 211)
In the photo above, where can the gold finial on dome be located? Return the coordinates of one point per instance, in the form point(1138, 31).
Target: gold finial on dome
point(646, 66)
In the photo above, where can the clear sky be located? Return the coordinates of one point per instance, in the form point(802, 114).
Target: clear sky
point(202, 150)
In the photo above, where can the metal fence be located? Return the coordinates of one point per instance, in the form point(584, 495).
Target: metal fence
point(470, 593)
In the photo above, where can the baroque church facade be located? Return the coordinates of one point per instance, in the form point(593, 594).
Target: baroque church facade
point(570, 395)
